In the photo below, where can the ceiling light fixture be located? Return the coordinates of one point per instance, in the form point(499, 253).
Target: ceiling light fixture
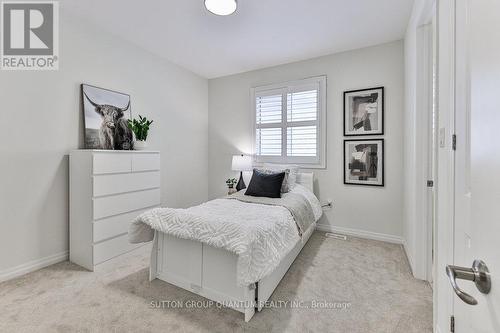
point(221, 7)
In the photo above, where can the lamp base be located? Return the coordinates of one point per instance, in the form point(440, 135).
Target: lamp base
point(241, 183)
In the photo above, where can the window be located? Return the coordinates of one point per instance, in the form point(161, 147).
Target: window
point(290, 121)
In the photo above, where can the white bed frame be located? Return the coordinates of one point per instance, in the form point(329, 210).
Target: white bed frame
point(211, 272)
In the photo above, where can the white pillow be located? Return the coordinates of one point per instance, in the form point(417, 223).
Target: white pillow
point(292, 176)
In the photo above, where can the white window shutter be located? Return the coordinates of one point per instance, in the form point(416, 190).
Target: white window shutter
point(268, 141)
point(268, 109)
point(302, 106)
point(289, 122)
point(302, 141)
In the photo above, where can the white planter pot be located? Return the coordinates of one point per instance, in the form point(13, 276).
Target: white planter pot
point(140, 145)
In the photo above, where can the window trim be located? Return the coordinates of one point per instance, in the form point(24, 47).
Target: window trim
point(318, 162)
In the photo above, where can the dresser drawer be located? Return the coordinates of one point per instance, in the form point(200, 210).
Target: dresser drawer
point(115, 225)
point(111, 163)
point(125, 182)
point(112, 248)
point(145, 162)
point(123, 203)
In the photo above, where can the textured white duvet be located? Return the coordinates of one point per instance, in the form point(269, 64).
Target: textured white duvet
point(261, 235)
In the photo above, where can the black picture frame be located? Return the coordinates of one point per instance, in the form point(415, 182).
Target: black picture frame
point(380, 183)
point(381, 115)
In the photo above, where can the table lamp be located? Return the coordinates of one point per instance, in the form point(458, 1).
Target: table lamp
point(241, 163)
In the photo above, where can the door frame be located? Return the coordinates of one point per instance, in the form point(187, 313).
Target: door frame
point(419, 243)
point(445, 189)
point(425, 142)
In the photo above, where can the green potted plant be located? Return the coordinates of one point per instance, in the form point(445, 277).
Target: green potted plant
point(230, 182)
point(140, 127)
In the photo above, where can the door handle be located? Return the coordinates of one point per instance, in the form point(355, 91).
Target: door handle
point(479, 274)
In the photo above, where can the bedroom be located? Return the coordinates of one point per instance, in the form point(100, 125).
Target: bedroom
point(340, 111)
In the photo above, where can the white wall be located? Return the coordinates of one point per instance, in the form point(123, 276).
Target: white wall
point(42, 121)
point(415, 153)
point(369, 209)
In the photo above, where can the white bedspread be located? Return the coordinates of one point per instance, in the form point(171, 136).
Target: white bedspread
point(261, 235)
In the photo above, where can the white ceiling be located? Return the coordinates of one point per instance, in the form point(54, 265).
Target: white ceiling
point(262, 33)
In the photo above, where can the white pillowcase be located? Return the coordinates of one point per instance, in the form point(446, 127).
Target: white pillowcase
point(292, 175)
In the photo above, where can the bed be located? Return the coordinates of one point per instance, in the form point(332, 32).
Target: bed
point(214, 263)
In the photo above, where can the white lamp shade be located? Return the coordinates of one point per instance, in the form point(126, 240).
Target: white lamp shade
point(221, 7)
point(242, 163)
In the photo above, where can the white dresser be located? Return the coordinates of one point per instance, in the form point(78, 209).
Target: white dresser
point(108, 189)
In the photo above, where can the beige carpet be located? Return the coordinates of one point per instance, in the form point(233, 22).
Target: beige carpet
point(367, 284)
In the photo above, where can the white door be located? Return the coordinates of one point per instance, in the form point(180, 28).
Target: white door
point(477, 163)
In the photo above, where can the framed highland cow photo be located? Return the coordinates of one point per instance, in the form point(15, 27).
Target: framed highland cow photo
point(106, 113)
point(364, 162)
point(364, 112)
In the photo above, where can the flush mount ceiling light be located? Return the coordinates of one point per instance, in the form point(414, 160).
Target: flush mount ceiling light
point(221, 7)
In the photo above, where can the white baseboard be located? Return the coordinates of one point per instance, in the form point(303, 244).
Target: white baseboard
point(31, 266)
point(360, 233)
point(411, 262)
